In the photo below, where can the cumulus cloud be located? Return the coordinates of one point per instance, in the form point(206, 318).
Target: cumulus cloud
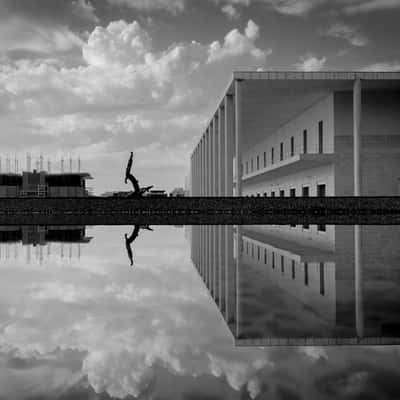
point(236, 44)
point(346, 32)
point(309, 62)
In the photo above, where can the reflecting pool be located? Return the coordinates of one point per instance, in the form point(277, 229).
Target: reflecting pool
point(199, 312)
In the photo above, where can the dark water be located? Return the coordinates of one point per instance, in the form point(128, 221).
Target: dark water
point(203, 313)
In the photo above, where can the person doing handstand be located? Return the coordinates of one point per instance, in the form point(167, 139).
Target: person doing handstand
point(131, 178)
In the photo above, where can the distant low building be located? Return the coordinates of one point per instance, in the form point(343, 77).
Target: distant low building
point(178, 192)
point(44, 184)
point(155, 193)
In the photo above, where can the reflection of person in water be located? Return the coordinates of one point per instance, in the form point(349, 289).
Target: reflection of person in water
point(130, 177)
point(130, 239)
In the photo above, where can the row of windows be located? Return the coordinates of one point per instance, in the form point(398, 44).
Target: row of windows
point(305, 192)
point(250, 167)
point(250, 251)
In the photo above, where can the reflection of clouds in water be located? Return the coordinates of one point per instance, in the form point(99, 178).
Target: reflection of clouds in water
point(130, 323)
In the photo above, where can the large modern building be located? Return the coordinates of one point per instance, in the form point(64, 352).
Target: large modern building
point(44, 184)
point(273, 288)
point(302, 134)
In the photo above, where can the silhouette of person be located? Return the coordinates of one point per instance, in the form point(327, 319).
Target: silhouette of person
point(131, 238)
point(131, 178)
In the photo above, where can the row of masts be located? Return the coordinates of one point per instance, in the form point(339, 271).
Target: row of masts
point(66, 164)
point(40, 252)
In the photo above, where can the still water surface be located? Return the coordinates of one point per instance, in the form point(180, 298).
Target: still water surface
point(202, 312)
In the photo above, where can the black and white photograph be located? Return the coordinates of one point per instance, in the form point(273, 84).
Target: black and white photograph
point(199, 199)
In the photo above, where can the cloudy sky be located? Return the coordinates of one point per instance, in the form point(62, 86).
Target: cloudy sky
point(103, 77)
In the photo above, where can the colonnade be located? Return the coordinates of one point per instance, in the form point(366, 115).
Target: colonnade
point(212, 168)
point(213, 256)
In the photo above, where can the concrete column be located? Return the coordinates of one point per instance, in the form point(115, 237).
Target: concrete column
point(214, 264)
point(192, 175)
point(357, 136)
point(215, 156)
point(221, 265)
point(229, 274)
point(358, 280)
point(198, 170)
point(238, 136)
point(213, 134)
point(202, 165)
point(221, 151)
point(237, 280)
point(228, 144)
point(209, 161)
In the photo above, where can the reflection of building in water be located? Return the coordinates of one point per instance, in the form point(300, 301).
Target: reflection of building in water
point(69, 238)
point(273, 289)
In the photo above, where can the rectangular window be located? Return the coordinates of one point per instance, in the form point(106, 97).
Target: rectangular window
point(293, 192)
point(258, 194)
point(283, 265)
point(265, 194)
point(281, 152)
point(293, 270)
point(282, 193)
point(305, 191)
point(252, 165)
point(272, 155)
point(272, 194)
point(273, 260)
point(265, 159)
point(258, 163)
point(321, 279)
point(322, 228)
point(247, 167)
point(305, 141)
point(265, 256)
point(320, 137)
point(258, 253)
point(321, 190)
point(252, 250)
point(247, 248)
point(292, 146)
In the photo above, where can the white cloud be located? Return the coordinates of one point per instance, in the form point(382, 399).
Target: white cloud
point(346, 32)
point(309, 62)
point(173, 6)
point(230, 11)
point(20, 34)
point(85, 10)
point(303, 7)
point(361, 6)
point(237, 44)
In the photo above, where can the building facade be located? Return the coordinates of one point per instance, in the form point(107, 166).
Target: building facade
point(302, 134)
point(44, 184)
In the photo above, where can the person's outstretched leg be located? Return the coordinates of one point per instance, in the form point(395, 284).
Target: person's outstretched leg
point(135, 184)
